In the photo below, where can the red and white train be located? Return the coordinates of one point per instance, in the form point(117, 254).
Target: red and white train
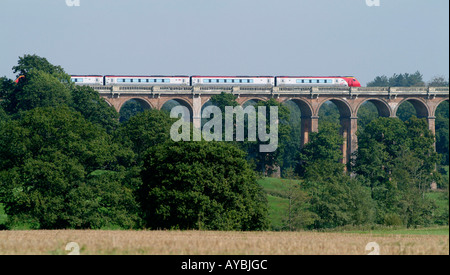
point(276, 81)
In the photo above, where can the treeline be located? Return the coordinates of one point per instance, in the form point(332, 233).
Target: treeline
point(67, 160)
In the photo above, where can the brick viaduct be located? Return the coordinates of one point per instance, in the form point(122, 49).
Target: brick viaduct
point(348, 100)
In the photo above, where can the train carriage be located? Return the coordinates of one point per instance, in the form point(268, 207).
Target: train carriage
point(308, 81)
point(233, 80)
point(87, 79)
point(146, 80)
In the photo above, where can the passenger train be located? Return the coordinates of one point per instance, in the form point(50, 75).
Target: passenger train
point(277, 81)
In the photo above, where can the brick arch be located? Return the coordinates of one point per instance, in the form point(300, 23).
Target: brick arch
point(109, 103)
point(384, 110)
point(142, 101)
point(421, 107)
point(345, 109)
point(183, 102)
point(305, 107)
point(437, 106)
point(242, 100)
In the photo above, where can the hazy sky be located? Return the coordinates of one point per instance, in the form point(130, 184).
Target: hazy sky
point(229, 37)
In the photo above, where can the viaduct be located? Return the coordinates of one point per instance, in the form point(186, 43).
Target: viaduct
point(348, 100)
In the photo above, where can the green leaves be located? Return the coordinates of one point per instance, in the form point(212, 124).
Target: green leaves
point(398, 80)
point(201, 185)
point(398, 160)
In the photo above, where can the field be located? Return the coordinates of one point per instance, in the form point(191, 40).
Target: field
point(423, 241)
point(43, 242)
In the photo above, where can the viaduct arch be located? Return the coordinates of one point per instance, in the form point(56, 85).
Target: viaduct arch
point(348, 100)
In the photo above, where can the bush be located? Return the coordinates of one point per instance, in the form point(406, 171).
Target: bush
point(201, 185)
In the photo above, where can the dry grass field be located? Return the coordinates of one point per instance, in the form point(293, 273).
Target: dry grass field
point(217, 243)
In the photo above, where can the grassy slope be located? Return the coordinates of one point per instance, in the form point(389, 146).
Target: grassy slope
point(278, 207)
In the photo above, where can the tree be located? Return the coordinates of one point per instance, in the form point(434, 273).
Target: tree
point(298, 215)
point(130, 109)
point(398, 80)
point(379, 81)
point(40, 89)
point(95, 109)
point(28, 62)
point(442, 132)
point(145, 130)
point(201, 185)
point(46, 158)
point(42, 131)
point(271, 162)
point(397, 159)
point(438, 81)
point(324, 146)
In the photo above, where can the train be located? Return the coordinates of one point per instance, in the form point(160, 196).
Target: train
point(198, 80)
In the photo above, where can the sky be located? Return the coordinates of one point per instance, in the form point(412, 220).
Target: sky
point(230, 37)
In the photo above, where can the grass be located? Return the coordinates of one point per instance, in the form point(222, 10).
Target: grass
point(433, 231)
point(2, 215)
point(278, 205)
point(93, 242)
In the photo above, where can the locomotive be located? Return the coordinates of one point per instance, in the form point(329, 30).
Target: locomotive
point(275, 81)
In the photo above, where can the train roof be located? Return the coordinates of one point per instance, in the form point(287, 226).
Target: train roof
point(146, 76)
point(237, 76)
point(87, 75)
point(314, 76)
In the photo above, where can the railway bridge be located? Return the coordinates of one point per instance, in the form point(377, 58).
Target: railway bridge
point(309, 99)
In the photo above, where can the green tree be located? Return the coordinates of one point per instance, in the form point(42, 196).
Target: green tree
point(42, 131)
point(324, 145)
point(28, 62)
point(398, 80)
point(438, 81)
point(272, 162)
point(298, 214)
point(130, 109)
point(379, 81)
point(397, 159)
point(40, 89)
point(145, 130)
point(95, 109)
point(442, 134)
point(201, 185)
point(46, 157)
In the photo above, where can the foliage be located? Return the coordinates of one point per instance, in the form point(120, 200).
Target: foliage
point(94, 108)
point(45, 156)
point(324, 145)
point(398, 80)
point(398, 173)
point(442, 135)
point(438, 81)
point(201, 185)
point(145, 130)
